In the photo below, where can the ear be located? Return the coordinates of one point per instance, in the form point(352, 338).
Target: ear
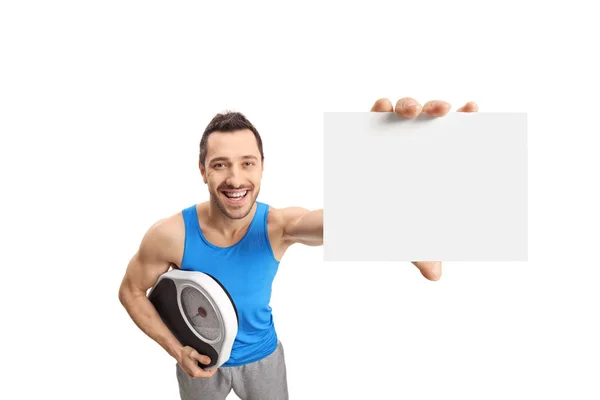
point(202, 172)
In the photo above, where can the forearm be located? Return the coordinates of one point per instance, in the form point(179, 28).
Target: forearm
point(144, 315)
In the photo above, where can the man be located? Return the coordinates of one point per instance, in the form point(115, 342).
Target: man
point(239, 241)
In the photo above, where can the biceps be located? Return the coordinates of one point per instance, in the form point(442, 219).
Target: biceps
point(142, 274)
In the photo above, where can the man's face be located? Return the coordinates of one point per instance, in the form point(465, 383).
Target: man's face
point(233, 171)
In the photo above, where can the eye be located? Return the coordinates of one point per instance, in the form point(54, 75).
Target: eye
point(218, 165)
point(248, 163)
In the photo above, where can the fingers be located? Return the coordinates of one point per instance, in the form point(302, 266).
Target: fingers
point(199, 373)
point(469, 107)
point(408, 107)
point(411, 108)
point(382, 105)
point(190, 364)
point(436, 108)
point(194, 371)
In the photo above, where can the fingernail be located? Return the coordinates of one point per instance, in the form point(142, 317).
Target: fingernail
point(409, 103)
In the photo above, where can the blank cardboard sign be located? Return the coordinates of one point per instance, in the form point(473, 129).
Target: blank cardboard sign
point(452, 188)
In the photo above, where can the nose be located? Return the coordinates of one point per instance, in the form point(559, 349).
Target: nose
point(234, 178)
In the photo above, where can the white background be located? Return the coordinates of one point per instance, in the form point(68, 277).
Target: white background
point(101, 110)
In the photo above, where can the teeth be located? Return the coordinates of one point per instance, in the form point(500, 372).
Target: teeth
point(236, 195)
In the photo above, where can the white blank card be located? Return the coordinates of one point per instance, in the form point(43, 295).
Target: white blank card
point(452, 188)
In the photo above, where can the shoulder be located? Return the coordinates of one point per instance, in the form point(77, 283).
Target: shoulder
point(164, 239)
point(165, 229)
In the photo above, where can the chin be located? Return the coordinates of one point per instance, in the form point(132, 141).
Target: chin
point(235, 210)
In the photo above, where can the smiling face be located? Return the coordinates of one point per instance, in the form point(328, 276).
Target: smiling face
point(233, 171)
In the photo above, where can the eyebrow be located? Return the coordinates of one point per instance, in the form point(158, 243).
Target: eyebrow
point(227, 159)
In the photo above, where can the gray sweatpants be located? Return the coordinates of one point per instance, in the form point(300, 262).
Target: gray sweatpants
point(265, 379)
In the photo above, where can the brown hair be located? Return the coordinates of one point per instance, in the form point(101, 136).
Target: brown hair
point(228, 122)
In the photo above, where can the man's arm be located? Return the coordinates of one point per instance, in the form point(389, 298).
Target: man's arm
point(150, 261)
point(306, 227)
point(303, 226)
point(142, 272)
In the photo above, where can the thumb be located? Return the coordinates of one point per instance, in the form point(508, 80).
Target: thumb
point(199, 357)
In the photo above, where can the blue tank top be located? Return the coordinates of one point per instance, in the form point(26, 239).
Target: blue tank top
point(246, 270)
